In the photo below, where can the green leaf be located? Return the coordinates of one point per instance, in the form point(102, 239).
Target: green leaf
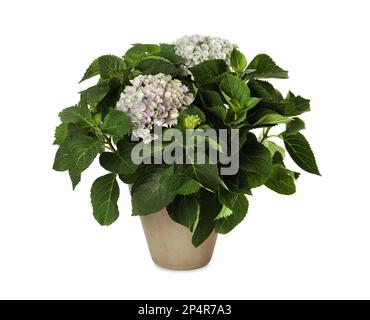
point(205, 174)
point(272, 99)
point(135, 54)
point(155, 66)
point(117, 123)
point(295, 105)
point(281, 180)
point(61, 133)
point(235, 88)
point(82, 151)
point(61, 162)
point(119, 162)
point(214, 103)
point(265, 67)
point(255, 159)
point(128, 178)
point(110, 65)
point(108, 102)
point(75, 177)
point(152, 48)
point(166, 47)
point(209, 71)
point(113, 162)
point(238, 61)
point(294, 126)
point(252, 102)
point(238, 204)
point(300, 151)
point(92, 70)
point(168, 52)
point(238, 183)
point(153, 190)
point(209, 207)
point(273, 147)
point(211, 98)
point(77, 114)
point(184, 210)
point(189, 187)
point(264, 90)
point(104, 196)
point(96, 93)
point(219, 111)
point(271, 119)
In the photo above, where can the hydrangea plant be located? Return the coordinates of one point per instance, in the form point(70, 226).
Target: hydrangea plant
point(195, 84)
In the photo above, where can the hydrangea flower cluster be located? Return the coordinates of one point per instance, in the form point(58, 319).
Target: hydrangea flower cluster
point(153, 100)
point(197, 48)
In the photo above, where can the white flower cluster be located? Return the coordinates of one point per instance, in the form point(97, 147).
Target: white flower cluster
point(197, 48)
point(153, 100)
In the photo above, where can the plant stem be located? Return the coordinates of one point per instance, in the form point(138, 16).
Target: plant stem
point(265, 134)
point(110, 144)
point(275, 136)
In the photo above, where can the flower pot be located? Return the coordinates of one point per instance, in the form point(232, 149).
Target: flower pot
point(170, 243)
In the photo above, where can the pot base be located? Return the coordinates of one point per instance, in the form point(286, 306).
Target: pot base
point(170, 243)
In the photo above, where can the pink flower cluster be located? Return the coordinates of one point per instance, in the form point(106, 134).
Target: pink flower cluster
point(153, 100)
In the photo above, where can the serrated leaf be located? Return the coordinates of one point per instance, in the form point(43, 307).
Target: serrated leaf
point(294, 126)
point(255, 159)
point(300, 151)
point(219, 111)
point(168, 52)
point(155, 66)
point(273, 147)
point(235, 88)
point(271, 119)
point(113, 162)
point(153, 190)
point(184, 210)
point(110, 65)
point(96, 93)
point(238, 182)
point(135, 54)
point(61, 133)
point(82, 151)
point(119, 162)
point(128, 178)
point(211, 98)
point(92, 70)
point(264, 90)
point(265, 67)
point(205, 174)
point(78, 114)
point(238, 61)
point(237, 203)
point(209, 207)
point(295, 105)
point(61, 162)
point(189, 187)
point(117, 123)
point(209, 71)
point(281, 180)
point(104, 196)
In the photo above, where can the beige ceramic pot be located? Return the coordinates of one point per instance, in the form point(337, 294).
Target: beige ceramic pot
point(170, 243)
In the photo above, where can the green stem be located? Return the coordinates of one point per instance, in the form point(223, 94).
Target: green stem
point(265, 134)
point(110, 144)
point(275, 136)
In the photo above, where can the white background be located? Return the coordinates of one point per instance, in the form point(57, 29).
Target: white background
point(314, 244)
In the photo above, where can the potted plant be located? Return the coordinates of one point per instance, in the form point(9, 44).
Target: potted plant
point(188, 126)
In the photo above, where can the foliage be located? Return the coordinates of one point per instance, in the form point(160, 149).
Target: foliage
point(228, 95)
